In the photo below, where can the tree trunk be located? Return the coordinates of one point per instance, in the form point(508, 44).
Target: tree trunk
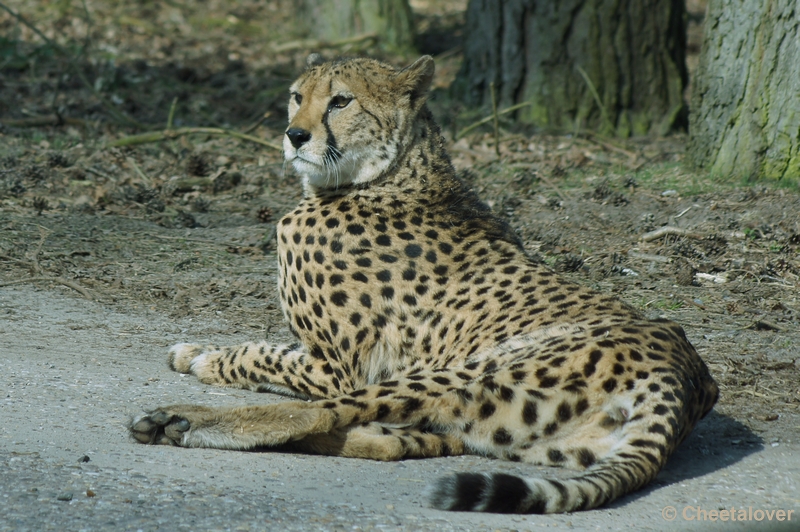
point(613, 66)
point(745, 118)
point(331, 20)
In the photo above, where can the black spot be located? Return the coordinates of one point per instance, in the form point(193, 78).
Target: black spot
point(410, 300)
point(387, 292)
point(332, 223)
point(581, 406)
point(502, 437)
point(591, 366)
point(365, 300)
point(530, 413)
point(609, 385)
point(487, 409)
point(412, 404)
point(355, 318)
point(339, 298)
point(413, 251)
point(506, 394)
point(564, 412)
point(364, 262)
point(548, 382)
point(383, 240)
point(358, 276)
point(586, 457)
point(556, 456)
point(384, 276)
point(355, 229)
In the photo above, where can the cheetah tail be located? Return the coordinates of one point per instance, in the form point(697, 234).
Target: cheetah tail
point(606, 480)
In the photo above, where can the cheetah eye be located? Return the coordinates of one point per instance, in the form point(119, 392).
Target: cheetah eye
point(339, 102)
point(298, 98)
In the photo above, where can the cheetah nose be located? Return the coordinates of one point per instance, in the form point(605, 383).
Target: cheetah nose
point(298, 136)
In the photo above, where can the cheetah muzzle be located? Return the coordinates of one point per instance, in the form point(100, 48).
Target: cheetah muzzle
point(425, 330)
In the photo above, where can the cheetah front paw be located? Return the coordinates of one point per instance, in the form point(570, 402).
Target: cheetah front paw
point(168, 426)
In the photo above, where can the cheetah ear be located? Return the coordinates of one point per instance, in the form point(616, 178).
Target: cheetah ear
point(314, 59)
point(416, 79)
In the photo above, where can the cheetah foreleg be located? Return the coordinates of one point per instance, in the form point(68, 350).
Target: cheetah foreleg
point(230, 428)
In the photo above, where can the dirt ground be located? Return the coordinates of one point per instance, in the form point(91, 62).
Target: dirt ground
point(181, 231)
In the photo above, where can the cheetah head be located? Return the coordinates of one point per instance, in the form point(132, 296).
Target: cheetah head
point(350, 119)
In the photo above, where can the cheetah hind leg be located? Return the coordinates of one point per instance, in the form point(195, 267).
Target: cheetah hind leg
point(377, 442)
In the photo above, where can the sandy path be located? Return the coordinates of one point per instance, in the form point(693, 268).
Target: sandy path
point(73, 372)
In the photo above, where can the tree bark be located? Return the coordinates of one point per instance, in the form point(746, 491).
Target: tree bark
point(331, 20)
point(613, 66)
point(745, 118)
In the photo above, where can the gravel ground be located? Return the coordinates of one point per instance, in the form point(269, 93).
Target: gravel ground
point(74, 371)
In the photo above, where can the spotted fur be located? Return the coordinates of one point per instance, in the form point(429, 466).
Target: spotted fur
point(424, 329)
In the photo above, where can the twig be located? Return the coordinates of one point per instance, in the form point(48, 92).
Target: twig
point(317, 44)
point(98, 173)
point(596, 96)
point(75, 67)
point(46, 120)
point(252, 127)
point(185, 239)
point(448, 53)
point(171, 112)
point(66, 282)
point(495, 120)
point(156, 136)
point(139, 171)
point(490, 117)
point(647, 256)
point(604, 142)
point(667, 230)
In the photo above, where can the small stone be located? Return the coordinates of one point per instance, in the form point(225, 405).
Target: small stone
point(65, 496)
point(85, 458)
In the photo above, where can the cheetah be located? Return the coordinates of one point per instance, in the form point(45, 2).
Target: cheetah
point(424, 329)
